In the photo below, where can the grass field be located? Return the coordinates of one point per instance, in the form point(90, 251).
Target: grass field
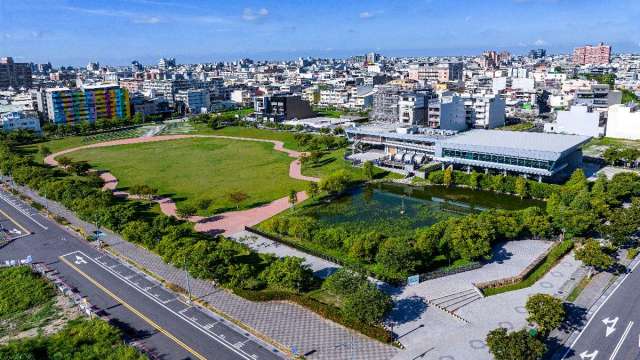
point(334, 161)
point(239, 131)
point(597, 146)
point(192, 170)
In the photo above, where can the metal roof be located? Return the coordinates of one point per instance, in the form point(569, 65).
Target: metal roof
point(523, 141)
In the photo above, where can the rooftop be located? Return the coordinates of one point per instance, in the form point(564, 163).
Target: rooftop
point(517, 139)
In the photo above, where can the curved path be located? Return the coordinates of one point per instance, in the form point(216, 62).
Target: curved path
point(226, 223)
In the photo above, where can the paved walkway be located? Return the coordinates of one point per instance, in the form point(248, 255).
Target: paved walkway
point(285, 323)
point(226, 223)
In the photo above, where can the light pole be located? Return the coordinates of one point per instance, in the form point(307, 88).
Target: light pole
point(186, 272)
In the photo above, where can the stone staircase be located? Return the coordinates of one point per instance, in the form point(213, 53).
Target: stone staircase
point(453, 302)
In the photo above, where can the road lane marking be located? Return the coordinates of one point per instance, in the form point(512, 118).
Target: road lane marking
point(14, 221)
point(611, 325)
point(219, 338)
point(597, 310)
point(21, 210)
point(622, 339)
point(586, 355)
point(133, 310)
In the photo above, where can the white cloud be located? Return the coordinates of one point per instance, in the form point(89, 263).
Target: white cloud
point(137, 18)
point(249, 14)
point(366, 15)
point(539, 42)
point(468, 18)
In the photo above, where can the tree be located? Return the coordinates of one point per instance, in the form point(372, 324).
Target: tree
point(64, 161)
point(186, 211)
point(79, 168)
point(335, 183)
point(448, 176)
point(517, 345)
point(592, 254)
point(237, 197)
point(366, 304)
point(312, 189)
point(368, 170)
point(288, 273)
point(521, 187)
point(397, 257)
point(43, 151)
point(546, 311)
point(343, 281)
point(138, 118)
point(293, 197)
point(315, 156)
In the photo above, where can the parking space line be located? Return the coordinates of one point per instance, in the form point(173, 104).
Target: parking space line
point(12, 202)
point(220, 338)
point(133, 310)
point(27, 232)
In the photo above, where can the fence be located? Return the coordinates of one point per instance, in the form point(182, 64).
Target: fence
point(446, 272)
point(316, 253)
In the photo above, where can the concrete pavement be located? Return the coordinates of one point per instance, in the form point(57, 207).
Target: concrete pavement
point(134, 302)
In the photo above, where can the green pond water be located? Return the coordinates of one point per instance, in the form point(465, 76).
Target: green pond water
point(395, 209)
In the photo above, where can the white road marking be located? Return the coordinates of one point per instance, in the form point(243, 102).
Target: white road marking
point(597, 310)
point(611, 325)
point(219, 338)
point(79, 260)
point(586, 355)
point(11, 202)
point(622, 339)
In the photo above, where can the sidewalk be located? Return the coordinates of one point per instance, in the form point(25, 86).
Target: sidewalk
point(285, 323)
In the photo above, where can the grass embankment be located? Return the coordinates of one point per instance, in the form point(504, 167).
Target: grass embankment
point(250, 132)
point(578, 289)
point(200, 170)
point(538, 272)
point(26, 301)
point(332, 161)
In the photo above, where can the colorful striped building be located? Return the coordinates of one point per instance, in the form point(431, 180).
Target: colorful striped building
point(68, 106)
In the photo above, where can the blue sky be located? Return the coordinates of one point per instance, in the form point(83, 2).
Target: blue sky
point(118, 31)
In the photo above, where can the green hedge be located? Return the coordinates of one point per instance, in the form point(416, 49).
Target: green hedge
point(538, 272)
point(497, 183)
point(326, 311)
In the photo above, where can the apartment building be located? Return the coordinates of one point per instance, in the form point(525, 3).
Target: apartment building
point(484, 111)
point(623, 121)
point(447, 113)
point(279, 108)
point(597, 96)
point(596, 55)
point(579, 120)
point(196, 101)
point(14, 75)
point(68, 106)
point(19, 120)
point(412, 109)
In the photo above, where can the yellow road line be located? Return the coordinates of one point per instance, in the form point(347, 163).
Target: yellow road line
point(133, 310)
point(27, 232)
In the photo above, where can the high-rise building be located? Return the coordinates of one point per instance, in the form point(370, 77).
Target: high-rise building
point(196, 100)
point(165, 64)
point(15, 75)
point(91, 103)
point(373, 57)
point(597, 55)
point(537, 53)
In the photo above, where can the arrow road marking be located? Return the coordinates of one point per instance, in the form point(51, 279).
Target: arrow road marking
point(586, 355)
point(611, 325)
point(619, 345)
point(80, 260)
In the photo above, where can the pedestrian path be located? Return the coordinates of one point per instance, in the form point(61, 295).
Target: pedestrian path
point(226, 223)
point(282, 322)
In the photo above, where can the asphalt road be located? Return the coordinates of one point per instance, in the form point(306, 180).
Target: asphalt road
point(613, 331)
point(140, 306)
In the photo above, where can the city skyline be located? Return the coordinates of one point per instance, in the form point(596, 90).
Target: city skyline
point(76, 32)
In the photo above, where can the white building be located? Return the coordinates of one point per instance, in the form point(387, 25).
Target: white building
point(579, 120)
point(624, 122)
point(19, 120)
point(197, 101)
point(412, 109)
point(447, 113)
point(241, 97)
point(484, 111)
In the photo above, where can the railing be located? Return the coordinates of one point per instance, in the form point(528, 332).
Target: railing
point(446, 272)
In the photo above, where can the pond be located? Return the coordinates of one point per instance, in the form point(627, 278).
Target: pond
point(396, 209)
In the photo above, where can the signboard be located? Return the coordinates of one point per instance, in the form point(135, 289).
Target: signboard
point(413, 280)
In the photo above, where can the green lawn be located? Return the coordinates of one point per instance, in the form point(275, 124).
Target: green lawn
point(240, 131)
point(334, 160)
point(190, 170)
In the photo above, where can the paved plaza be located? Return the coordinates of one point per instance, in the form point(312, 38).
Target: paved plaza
point(437, 335)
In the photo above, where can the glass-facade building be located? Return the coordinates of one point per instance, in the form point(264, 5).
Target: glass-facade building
point(68, 106)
